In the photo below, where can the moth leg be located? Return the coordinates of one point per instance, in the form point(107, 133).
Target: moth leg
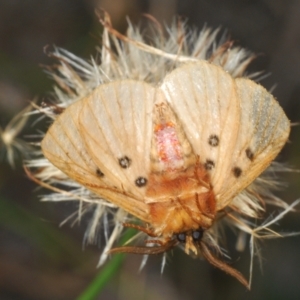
point(148, 231)
point(206, 214)
point(188, 210)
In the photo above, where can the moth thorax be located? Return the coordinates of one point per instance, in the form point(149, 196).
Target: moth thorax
point(183, 214)
point(182, 202)
point(170, 149)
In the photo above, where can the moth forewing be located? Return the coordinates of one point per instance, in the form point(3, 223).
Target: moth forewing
point(64, 147)
point(68, 143)
point(127, 201)
point(263, 131)
point(116, 124)
point(205, 100)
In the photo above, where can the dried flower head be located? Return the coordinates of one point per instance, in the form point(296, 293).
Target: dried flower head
point(167, 136)
point(9, 141)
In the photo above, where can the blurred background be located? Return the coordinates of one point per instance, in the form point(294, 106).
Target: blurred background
point(40, 260)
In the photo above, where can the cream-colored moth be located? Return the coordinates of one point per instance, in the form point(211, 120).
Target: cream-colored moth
point(172, 155)
point(176, 147)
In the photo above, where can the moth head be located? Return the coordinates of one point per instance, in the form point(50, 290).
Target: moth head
point(191, 239)
point(193, 242)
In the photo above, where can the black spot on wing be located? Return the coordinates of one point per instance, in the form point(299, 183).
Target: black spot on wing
point(249, 154)
point(237, 172)
point(124, 162)
point(99, 173)
point(209, 164)
point(213, 140)
point(141, 181)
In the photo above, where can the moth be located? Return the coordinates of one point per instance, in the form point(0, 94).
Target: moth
point(173, 154)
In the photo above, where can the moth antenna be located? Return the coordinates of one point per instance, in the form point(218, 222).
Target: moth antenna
point(145, 250)
point(159, 242)
point(222, 265)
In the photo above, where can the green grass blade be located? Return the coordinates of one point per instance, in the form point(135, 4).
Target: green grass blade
point(106, 273)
